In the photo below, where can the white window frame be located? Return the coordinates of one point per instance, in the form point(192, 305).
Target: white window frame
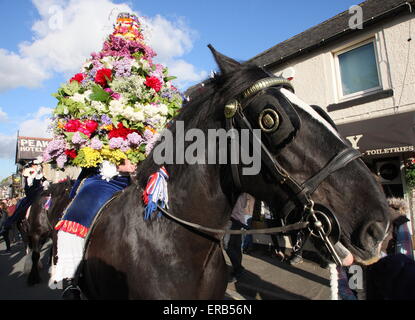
point(340, 95)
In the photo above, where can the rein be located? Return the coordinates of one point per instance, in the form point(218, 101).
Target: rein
point(284, 229)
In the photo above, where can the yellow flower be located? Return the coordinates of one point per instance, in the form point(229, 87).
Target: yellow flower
point(61, 124)
point(151, 129)
point(91, 157)
point(115, 156)
point(108, 127)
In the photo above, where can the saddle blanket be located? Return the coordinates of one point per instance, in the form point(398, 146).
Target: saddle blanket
point(93, 193)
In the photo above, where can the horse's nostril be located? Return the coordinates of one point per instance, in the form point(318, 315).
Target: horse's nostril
point(372, 234)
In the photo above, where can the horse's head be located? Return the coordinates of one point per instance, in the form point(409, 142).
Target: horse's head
point(308, 173)
point(57, 195)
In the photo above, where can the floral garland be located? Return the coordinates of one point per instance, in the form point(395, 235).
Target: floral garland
point(113, 109)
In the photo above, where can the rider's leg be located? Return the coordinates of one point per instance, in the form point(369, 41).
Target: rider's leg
point(70, 250)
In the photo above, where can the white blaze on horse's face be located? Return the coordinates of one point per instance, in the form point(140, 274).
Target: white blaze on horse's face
point(301, 104)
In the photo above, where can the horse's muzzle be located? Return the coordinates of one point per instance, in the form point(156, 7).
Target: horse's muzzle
point(344, 254)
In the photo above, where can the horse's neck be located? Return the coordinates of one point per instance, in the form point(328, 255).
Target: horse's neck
point(195, 194)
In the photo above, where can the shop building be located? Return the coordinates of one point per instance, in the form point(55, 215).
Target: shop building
point(360, 67)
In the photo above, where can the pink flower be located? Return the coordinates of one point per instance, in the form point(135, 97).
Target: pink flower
point(91, 126)
point(72, 125)
point(116, 96)
point(85, 131)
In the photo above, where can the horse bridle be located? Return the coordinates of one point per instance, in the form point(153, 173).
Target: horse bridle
point(321, 223)
point(317, 221)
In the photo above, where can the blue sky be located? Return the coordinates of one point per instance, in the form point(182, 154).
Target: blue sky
point(36, 57)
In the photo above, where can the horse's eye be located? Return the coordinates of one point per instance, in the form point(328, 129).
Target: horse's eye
point(269, 120)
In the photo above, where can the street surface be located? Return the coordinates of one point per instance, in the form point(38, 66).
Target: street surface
point(13, 281)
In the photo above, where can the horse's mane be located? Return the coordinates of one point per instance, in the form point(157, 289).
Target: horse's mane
point(206, 106)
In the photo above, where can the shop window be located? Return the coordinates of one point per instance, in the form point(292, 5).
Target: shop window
point(357, 70)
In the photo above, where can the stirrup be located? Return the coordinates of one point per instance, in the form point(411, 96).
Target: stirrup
point(71, 291)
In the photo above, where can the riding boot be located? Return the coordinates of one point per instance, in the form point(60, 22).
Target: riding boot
point(70, 290)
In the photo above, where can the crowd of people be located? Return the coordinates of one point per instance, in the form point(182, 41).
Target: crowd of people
point(9, 231)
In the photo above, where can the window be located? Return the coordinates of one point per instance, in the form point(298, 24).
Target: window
point(357, 70)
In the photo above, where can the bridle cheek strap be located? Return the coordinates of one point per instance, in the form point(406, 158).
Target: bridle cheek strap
point(307, 188)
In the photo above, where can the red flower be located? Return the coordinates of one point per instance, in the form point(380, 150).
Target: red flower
point(154, 83)
point(91, 126)
point(78, 77)
point(103, 76)
point(72, 125)
point(120, 132)
point(71, 153)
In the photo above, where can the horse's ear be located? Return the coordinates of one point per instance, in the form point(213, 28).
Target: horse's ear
point(226, 64)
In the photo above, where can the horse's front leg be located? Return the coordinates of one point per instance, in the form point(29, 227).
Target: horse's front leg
point(34, 276)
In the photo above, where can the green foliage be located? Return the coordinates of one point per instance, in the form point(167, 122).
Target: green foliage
point(69, 89)
point(136, 156)
point(410, 178)
point(410, 173)
point(99, 94)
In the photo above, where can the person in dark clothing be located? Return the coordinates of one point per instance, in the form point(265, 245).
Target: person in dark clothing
point(33, 178)
point(233, 243)
point(3, 218)
point(391, 278)
point(248, 239)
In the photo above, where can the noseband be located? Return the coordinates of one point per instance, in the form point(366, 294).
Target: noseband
point(321, 223)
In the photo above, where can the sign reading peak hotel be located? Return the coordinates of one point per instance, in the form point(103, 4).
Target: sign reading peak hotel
point(29, 148)
point(380, 136)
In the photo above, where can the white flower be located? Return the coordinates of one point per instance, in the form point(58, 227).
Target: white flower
point(81, 97)
point(163, 109)
point(116, 107)
point(150, 110)
point(138, 106)
point(133, 115)
point(158, 122)
point(138, 116)
point(108, 170)
point(108, 62)
point(97, 105)
point(78, 97)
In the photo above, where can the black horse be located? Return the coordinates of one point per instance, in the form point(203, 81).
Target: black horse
point(39, 226)
point(128, 257)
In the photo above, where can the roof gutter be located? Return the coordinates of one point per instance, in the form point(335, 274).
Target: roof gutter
point(345, 32)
